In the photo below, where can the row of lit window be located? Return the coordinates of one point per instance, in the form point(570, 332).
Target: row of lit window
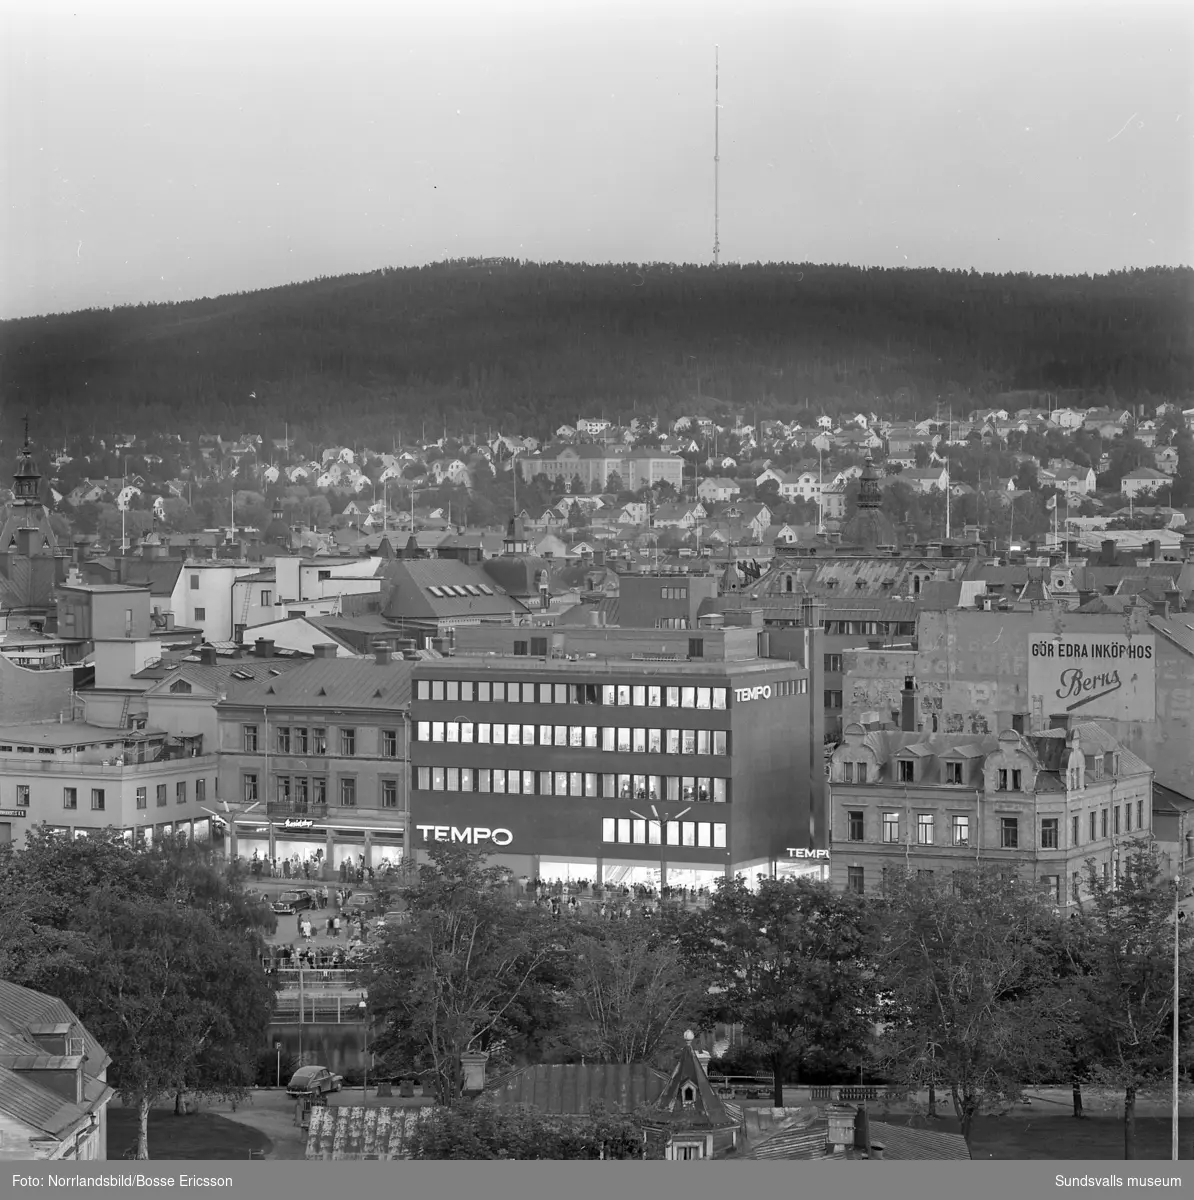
point(1100, 825)
point(300, 791)
point(70, 795)
point(689, 788)
point(638, 831)
point(622, 695)
point(578, 737)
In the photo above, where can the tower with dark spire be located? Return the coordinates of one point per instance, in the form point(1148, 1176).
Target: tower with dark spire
point(27, 511)
point(870, 528)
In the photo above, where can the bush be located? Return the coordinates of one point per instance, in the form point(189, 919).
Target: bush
point(267, 1068)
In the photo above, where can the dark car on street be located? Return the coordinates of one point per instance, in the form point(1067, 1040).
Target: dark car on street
point(293, 902)
point(313, 1081)
point(361, 904)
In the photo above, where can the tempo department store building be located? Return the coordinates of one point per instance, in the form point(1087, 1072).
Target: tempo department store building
point(625, 755)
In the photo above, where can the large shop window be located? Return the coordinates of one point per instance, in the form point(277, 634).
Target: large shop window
point(640, 831)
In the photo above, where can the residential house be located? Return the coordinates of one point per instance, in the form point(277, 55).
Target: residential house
point(922, 479)
point(718, 490)
point(683, 515)
point(54, 1091)
point(1165, 459)
point(1143, 481)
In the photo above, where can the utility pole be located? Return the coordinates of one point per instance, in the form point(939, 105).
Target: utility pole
point(716, 160)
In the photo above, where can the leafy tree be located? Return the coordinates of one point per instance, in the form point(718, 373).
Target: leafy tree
point(768, 492)
point(790, 962)
point(614, 483)
point(631, 991)
point(1183, 480)
point(481, 1131)
point(468, 972)
point(920, 453)
point(1121, 948)
point(968, 995)
point(155, 950)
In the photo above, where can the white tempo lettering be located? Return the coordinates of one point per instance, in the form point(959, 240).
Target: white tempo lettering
point(470, 835)
point(762, 691)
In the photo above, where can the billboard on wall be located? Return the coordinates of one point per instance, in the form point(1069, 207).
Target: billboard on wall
point(1111, 675)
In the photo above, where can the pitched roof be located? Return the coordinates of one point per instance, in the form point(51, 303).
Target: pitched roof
point(334, 683)
point(223, 675)
point(689, 1100)
point(22, 1096)
point(436, 588)
point(569, 1089)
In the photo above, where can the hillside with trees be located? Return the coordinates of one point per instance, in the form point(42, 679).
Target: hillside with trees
point(488, 345)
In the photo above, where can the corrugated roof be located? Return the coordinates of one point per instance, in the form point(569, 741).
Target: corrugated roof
point(224, 674)
point(411, 597)
point(362, 1133)
point(569, 1089)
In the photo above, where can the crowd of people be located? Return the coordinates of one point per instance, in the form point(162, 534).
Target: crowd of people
point(612, 892)
point(293, 866)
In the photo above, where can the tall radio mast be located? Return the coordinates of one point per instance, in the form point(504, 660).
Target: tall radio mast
point(716, 160)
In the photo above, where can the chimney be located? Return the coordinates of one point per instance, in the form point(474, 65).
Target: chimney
point(324, 650)
point(264, 648)
point(1107, 554)
point(841, 1125)
point(207, 656)
point(1060, 720)
point(1154, 550)
point(908, 705)
point(382, 654)
point(472, 1063)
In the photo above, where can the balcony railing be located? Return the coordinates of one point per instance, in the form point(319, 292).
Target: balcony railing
point(295, 808)
point(28, 764)
point(316, 980)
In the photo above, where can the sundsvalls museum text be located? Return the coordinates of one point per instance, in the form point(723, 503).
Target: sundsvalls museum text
point(129, 1180)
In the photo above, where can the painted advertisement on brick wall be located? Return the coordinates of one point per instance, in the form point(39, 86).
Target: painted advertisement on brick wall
point(1093, 675)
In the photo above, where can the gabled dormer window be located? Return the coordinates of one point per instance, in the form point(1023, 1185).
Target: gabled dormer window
point(905, 770)
point(688, 1095)
point(955, 772)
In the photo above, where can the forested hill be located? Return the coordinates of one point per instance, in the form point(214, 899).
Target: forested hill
point(526, 347)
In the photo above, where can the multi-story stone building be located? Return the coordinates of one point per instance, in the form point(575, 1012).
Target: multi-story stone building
point(1045, 804)
point(314, 762)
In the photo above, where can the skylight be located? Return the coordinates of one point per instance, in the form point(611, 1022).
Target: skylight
point(434, 591)
point(486, 589)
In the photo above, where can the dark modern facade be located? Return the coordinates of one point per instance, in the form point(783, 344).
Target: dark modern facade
point(619, 754)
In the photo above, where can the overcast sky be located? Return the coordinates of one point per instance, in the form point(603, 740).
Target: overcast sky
point(167, 150)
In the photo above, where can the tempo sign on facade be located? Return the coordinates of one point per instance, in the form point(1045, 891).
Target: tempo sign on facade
point(1094, 675)
point(470, 836)
point(761, 692)
point(798, 852)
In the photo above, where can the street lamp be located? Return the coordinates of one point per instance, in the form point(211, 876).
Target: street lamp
point(363, 1008)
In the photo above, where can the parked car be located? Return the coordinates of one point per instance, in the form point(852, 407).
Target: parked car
point(393, 918)
point(313, 1081)
point(293, 902)
point(360, 904)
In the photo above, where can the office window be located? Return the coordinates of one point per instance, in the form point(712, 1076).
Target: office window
point(249, 736)
point(891, 826)
point(855, 823)
point(847, 772)
point(924, 829)
point(855, 880)
point(452, 779)
point(528, 735)
point(1050, 833)
point(953, 772)
point(688, 833)
point(423, 731)
point(1103, 822)
point(438, 731)
point(348, 793)
point(201, 614)
point(961, 830)
point(484, 778)
point(249, 788)
point(833, 662)
point(22, 795)
point(389, 793)
point(452, 690)
point(319, 741)
point(1009, 833)
point(654, 696)
point(142, 797)
point(180, 792)
point(696, 647)
point(623, 829)
point(97, 799)
point(520, 648)
point(161, 795)
point(907, 772)
point(389, 743)
point(422, 689)
point(638, 695)
point(608, 830)
point(348, 742)
point(484, 733)
point(720, 696)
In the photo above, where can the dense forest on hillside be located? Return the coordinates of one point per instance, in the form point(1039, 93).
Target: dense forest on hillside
point(525, 347)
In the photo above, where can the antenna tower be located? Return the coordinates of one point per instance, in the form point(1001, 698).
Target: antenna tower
point(716, 160)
